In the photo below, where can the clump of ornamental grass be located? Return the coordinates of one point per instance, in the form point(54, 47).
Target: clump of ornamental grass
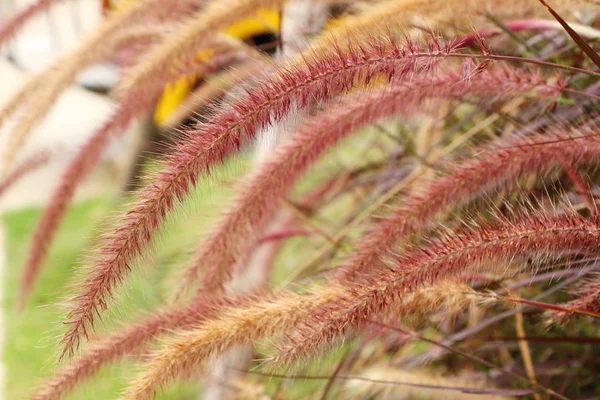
point(229, 129)
point(413, 131)
point(88, 157)
point(330, 311)
point(586, 302)
point(278, 176)
point(451, 297)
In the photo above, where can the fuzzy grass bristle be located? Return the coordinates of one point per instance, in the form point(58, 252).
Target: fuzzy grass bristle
point(129, 341)
point(229, 129)
point(407, 175)
point(235, 234)
point(500, 165)
point(30, 164)
point(86, 160)
point(587, 301)
point(330, 311)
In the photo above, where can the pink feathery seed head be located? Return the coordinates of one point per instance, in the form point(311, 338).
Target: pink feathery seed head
point(78, 169)
point(130, 340)
point(588, 300)
point(188, 349)
point(538, 234)
point(323, 76)
point(130, 108)
point(334, 309)
point(498, 165)
point(235, 235)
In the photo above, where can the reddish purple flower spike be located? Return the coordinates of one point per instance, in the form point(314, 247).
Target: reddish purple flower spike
point(131, 340)
point(207, 145)
point(538, 234)
point(79, 168)
point(500, 165)
point(587, 301)
point(132, 107)
point(116, 346)
point(234, 236)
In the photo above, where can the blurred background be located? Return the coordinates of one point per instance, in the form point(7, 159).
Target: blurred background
point(369, 165)
point(83, 107)
point(80, 110)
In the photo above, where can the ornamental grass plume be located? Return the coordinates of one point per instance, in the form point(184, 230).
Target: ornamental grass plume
point(499, 165)
point(134, 338)
point(89, 156)
point(236, 233)
point(334, 310)
point(77, 170)
point(130, 340)
point(587, 300)
point(538, 237)
point(266, 316)
point(230, 128)
point(300, 20)
point(30, 164)
point(440, 174)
